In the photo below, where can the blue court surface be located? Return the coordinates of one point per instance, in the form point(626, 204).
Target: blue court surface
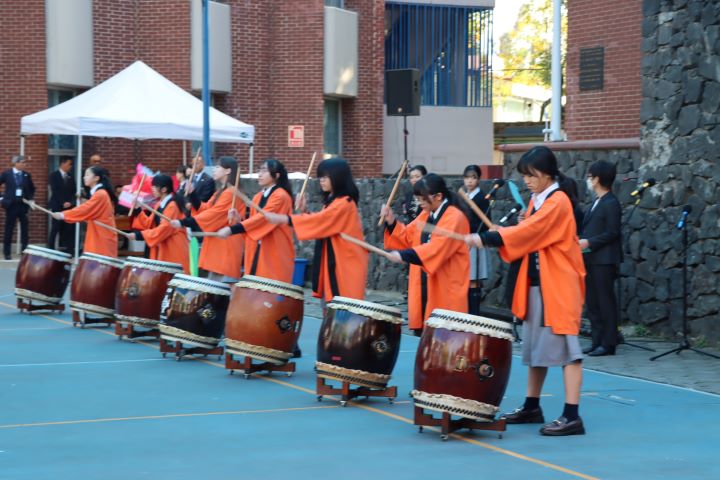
point(79, 404)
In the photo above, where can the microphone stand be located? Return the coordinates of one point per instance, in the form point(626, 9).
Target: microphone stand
point(620, 336)
point(685, 342)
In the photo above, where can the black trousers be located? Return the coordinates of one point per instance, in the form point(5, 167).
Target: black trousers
point(66, 233)
point(601, 304)
point(14, 213)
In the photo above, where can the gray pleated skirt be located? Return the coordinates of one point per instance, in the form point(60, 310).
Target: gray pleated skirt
point(541, 347)
point(479, 263)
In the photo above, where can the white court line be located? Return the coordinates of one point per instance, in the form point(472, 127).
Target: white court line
point(31, 328)
point(79, 363)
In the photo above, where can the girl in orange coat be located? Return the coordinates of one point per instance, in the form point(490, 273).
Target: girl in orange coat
point(439, 266)
point(339, 267)
point(220, 257)
point(99, 207)
point(269, 248)
point(166, 243)
point(550, 289)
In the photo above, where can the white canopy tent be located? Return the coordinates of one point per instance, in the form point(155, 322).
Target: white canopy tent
point(136, 103)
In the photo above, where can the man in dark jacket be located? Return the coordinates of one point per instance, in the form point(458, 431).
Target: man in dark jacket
point(600, 240)
point(18, 186)
point(62, 196)
point(203, 184)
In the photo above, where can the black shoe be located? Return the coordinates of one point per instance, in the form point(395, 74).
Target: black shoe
point(8, 257)
point(561, 427)
point(602, 351)
point(589, 349)
point(297, 353)
point(520, 415)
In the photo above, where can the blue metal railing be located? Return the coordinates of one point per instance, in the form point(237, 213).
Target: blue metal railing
point(451, 46)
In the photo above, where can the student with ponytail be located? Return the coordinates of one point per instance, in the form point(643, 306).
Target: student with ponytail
point(166, 243)
point(99, 207)
point(269, 248)
point(439, 266)
point(550, 288)
point(220, 257)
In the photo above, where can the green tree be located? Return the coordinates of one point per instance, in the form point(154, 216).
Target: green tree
point(526, 51)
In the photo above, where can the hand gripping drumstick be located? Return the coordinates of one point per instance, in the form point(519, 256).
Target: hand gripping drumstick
point(475, 209)
point(307, 177)
point(135, 195)
point(429, 228)
point(365, 245)
point(403, 168)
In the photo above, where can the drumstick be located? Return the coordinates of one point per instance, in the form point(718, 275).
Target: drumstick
point(429, 228)
point(307, 177)
point(204, 234)
point(192, 172)
point(365, 245)
point(394, 190)
point(108, 227)
point(247, 201)
point(475, 209)
point(135, 196)
point(149, 208)
point(237, 181)
point(36, 206)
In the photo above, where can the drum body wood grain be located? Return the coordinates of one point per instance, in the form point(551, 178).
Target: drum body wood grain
point(93, 285)
point(264, 319)
point(359, 342)
point(42, 275)
point(141, 289)
point(462, 365)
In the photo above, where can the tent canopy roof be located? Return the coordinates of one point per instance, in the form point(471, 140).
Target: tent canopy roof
point(136, 103)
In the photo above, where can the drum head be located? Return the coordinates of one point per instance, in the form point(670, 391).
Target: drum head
point(463, 322)
point(273, 286)
point(157, 265)
point(199, 284)
point(113, 262)
point(47, 253)
point(373, 310)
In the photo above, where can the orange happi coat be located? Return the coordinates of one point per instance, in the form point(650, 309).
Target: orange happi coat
point(551, 232)
point(272, 244)
point(347, 275)
point(445, 262)
point(220, 255)
point(98, 240)
point(166, 243)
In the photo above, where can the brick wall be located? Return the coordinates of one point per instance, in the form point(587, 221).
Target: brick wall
point(24, 91)
point(614, 111)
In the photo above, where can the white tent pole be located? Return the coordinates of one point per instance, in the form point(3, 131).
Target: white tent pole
point(184, 153)
point(22, 144)
point(252, 156)
point(78, 176)
point(556, 79)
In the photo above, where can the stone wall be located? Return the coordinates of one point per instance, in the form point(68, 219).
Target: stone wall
point(680, 145)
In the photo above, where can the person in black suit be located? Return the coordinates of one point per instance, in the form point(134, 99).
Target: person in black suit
point(202, 183)
point(62, 196)
point(18, 186)
point(479, 262)
point(601, 244)
point(411, 206)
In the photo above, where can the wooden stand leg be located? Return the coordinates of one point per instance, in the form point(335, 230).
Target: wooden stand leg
point(128, 331)
point(81, 318)
point(248, 367)
point(28, 306)
point(448, 425)
point(346, 393)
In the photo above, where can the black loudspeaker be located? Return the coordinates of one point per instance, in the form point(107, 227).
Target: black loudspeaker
point(402, 92)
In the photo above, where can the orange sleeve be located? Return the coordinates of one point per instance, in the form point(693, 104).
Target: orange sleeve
point(90, 210)
point(212, 218)
point(142, 221)
point(156, 235)
point(538, 231)
point(402, 236)
point(256, 226)
point(439, 249)
point(330, 221)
